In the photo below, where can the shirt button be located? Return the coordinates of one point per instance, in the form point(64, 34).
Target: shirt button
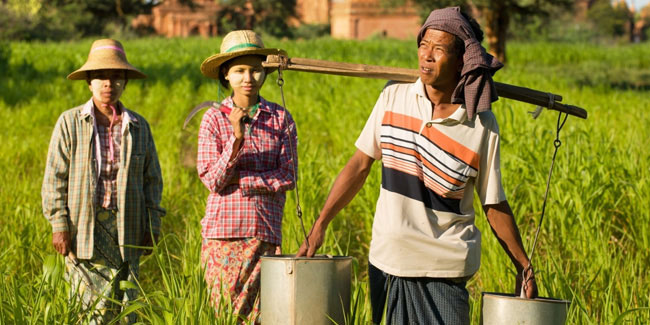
point(429, 124)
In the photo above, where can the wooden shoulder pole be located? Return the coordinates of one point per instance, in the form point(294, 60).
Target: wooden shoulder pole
point(527, 95)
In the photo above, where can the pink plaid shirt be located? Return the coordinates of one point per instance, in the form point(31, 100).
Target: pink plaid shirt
point(252, 208)
point(107, 185)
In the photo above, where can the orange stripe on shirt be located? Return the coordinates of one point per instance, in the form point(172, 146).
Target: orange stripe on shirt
point(412, 169)
point(402, 121)
point(404, 166)
point(428, 164)
point(436, 136)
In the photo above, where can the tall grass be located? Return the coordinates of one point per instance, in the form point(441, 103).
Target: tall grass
point(594, 244)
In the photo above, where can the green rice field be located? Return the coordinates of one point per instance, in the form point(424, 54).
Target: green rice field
point(593, 249)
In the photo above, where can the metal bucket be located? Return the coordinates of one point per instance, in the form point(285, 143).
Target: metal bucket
point(304, 290)
point(501, 308)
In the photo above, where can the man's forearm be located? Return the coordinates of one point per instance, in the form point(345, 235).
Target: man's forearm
point(346, 186)
point(503, 225)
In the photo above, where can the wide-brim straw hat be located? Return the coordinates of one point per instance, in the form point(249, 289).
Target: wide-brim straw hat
point(234, 44)
point(106, 54)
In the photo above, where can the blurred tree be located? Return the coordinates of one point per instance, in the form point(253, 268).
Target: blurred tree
point(642, 26)
point(5, 56)
point(37, 20)
point(23, 7)
point(65, 19)
point(11, 24)
point(610, 20)
point(269, 16)
point(496, 15)
point(104, 12)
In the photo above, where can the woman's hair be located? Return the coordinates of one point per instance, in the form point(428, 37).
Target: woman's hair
point(459, 45)
point(223, 69)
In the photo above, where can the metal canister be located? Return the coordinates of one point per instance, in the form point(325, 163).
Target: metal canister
point(304, 290)
point(501, 308)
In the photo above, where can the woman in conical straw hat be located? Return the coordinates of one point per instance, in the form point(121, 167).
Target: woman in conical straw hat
point(247, 159)
point(102, 185)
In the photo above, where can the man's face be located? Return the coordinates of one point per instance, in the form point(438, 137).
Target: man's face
point(439, 65)
point(107, 85)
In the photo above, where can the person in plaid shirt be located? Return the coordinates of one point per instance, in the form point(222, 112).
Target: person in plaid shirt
point(247, 159)
point(102, 186)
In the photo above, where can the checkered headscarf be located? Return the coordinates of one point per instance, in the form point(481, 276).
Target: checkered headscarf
point(476, 87)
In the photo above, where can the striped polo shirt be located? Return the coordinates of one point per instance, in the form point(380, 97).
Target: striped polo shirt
point(424, 219)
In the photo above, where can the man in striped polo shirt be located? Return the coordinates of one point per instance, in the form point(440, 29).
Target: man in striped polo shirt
point(438, 142)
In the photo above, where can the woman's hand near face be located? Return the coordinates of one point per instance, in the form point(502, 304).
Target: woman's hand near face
point(235, 118)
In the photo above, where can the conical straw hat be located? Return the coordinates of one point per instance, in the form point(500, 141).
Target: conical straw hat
point(106, 54)
point(234, 44)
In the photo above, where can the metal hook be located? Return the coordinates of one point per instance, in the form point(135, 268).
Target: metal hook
point(538, 110)
point(280, 83)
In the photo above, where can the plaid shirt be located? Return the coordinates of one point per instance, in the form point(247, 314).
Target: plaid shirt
point(71, 178)
point(107, 185)
point(252, 208)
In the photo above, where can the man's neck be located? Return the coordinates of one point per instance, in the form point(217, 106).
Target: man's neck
point(104, 113)
point(441, 103)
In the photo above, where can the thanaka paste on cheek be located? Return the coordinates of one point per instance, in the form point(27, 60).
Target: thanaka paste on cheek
point(236, 78)
point(97, 87)
point(259, 77)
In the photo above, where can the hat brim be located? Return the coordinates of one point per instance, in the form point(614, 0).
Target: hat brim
point(131, 71)
point(210, 66)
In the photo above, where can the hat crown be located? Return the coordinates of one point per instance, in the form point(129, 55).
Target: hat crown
point(234, 44)
point(107, 48)
point(240, 40)
point(106, 54)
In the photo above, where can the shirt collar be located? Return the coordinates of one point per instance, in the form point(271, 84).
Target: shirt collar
point(418, 89)
point(264, 104)
point(127, 116)
point(458, 116)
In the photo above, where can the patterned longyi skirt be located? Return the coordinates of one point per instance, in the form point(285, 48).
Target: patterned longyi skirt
point(232, 273)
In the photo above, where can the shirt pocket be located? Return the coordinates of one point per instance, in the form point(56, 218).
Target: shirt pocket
point(265, 144)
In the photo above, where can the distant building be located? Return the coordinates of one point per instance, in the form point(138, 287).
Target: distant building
point(360, 19)
point(313, 11)
point(173, 19)
point(348, 19)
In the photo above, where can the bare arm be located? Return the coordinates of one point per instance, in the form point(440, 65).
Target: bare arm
point(503, 225)
point(345, 188)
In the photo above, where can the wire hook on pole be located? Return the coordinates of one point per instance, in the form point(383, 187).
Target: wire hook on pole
point(556, 143)
point(294, 158)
